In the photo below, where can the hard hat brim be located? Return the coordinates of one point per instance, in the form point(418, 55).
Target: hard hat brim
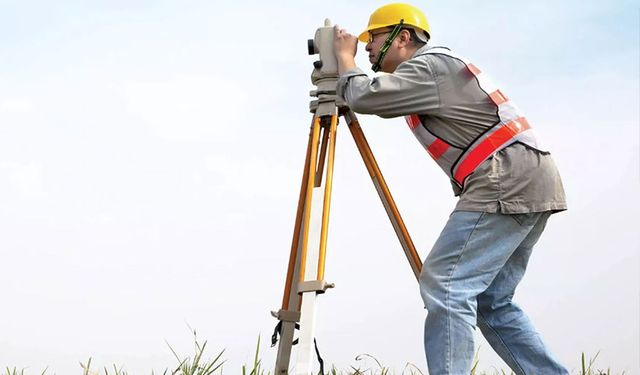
point(364, 36)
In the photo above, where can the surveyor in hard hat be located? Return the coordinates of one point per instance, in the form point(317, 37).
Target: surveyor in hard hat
point(506, 181)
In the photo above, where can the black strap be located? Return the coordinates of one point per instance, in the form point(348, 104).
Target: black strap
point(385, 46)
point(278, 331)
point(320, 361)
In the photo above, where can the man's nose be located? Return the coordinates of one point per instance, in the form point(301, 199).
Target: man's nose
point(367, 47)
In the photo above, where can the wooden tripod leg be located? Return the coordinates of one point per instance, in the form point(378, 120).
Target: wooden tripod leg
point(289, 314)
point(295, 243)
point(332, 132)
point(384, 193)
point(312, 283)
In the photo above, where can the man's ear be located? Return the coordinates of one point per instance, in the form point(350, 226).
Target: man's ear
point(405, 37)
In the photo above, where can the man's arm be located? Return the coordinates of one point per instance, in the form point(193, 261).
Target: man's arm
point(412, 88)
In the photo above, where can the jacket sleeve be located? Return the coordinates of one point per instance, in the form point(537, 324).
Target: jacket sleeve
point(411, 89)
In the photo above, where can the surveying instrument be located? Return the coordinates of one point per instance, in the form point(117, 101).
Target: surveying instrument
point(305, 274)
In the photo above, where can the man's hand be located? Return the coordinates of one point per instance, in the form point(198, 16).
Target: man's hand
point(345, 46)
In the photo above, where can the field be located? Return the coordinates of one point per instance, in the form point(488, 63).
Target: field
point(201, 363)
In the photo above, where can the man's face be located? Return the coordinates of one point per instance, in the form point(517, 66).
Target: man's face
point(398, 51)
point(376, 40)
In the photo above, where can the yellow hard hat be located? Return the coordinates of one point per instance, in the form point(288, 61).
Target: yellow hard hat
point(391, 14)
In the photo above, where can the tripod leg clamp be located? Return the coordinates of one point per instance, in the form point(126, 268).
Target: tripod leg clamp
point(286, 315)
point(318, 286)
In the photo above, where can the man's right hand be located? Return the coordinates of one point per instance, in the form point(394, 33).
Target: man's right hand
point(345, 47)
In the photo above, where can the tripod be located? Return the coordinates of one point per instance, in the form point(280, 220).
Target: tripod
point(305, 274)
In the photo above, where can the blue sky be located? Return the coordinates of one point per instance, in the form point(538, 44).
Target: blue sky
point(150, 154)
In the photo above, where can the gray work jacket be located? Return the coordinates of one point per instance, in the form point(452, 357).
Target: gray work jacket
point(516, 179)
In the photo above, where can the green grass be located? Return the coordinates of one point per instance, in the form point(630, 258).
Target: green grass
point(202, 364)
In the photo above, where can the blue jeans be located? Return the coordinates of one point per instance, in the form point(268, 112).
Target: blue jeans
point(469, 279)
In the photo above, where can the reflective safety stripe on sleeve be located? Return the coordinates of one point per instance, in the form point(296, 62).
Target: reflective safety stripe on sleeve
point(488, 146)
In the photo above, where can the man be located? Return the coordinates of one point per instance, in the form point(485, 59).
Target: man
point(507, 184)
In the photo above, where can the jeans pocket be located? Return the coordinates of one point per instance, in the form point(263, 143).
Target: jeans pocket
point(527, 219)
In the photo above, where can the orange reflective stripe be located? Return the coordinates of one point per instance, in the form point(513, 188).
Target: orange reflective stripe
point(474, 69)
point(437, 148)
point(498, 97)
point(413, 121)
point(488, 146)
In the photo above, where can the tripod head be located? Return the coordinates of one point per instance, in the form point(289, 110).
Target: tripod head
point(325, 71)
